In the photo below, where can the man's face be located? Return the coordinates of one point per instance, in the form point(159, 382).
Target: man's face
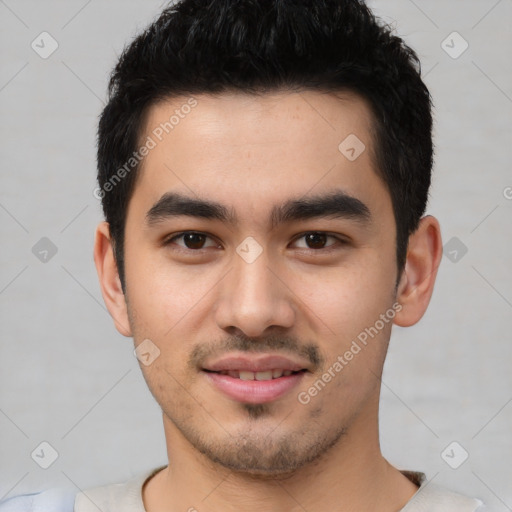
point(230, 295)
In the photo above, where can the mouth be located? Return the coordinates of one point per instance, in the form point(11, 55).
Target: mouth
point(260, 376)
point(255, 378)
point(254, 387)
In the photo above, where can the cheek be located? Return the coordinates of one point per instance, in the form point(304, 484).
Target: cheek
point(347, 304)
point(169, 385)
point(346, 300)
point(164, 294)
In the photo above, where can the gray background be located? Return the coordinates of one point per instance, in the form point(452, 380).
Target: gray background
point(68, 378)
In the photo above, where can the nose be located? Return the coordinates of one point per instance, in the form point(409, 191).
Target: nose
point(253, 297)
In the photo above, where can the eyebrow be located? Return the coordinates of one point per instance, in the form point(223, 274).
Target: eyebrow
point(336, 204)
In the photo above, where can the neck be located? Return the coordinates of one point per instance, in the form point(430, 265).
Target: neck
point(351, 476)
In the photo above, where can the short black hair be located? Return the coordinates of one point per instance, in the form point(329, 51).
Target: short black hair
point(264, 46)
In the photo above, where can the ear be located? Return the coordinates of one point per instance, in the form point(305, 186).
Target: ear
point(424, 253)
point(110, 283)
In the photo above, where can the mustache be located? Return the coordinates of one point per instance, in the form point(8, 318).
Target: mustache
point(241, 343)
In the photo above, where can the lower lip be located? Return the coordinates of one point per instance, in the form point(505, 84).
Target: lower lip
point(254, 391)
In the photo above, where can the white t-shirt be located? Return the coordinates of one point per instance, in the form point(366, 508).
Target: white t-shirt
point(127, 497)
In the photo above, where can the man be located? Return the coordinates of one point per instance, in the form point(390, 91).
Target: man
point(264, 169)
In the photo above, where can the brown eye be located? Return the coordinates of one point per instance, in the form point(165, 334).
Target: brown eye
point(194, 240)
point(316, 240)
point(191, 240)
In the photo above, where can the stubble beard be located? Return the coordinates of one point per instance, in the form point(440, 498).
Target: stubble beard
point(258, 454)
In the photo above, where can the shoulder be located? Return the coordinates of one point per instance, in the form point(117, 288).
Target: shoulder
point(125, 496)
point(435, 498)
point(51, 500)
point(109, 498)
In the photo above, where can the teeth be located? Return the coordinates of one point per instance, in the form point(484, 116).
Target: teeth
point(266, 375)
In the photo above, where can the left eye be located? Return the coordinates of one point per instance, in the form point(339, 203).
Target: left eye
point(315, 240)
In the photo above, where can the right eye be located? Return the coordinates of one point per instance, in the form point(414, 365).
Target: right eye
point(192, 240)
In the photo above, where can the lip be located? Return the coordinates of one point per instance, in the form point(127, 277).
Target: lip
point(254, 391)
point(255, 363)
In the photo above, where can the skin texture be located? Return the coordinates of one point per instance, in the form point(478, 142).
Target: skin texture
point(251, 153)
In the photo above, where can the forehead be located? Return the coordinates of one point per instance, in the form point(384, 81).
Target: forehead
point(248, 150)
point(279, 118)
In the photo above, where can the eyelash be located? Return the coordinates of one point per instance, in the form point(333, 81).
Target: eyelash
point(326, 250)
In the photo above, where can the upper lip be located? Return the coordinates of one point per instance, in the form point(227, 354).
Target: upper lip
point(255, 363)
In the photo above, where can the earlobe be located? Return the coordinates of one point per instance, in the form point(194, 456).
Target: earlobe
point(416, 284)
point(110, 282)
